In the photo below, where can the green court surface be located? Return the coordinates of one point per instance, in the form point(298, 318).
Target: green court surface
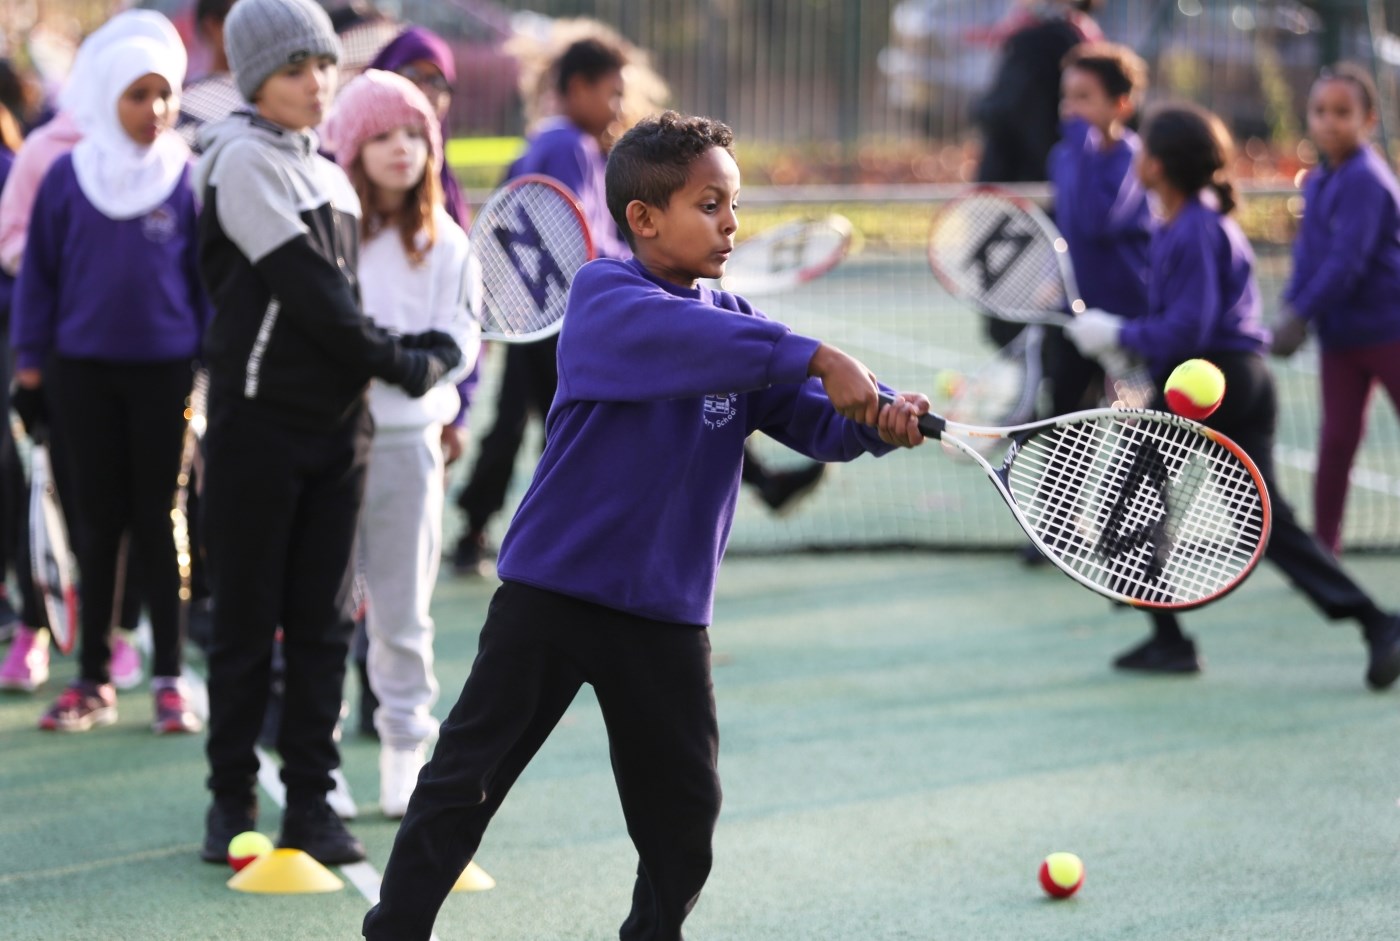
point(904, 737)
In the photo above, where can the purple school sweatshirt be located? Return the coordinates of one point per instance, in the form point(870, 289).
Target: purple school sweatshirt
point(1101, 210)
point(632, 501)
point(1202, 296)
point(91, 287)
point(1346, 258)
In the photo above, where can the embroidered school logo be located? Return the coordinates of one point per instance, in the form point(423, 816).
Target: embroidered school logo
point(719, 410)
point(159, 225)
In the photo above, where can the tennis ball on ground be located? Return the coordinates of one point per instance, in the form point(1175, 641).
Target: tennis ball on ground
point(1061, 874)
point(1195, 389)
point(246, 847)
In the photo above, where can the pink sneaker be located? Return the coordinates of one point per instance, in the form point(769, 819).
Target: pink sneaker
point(173, 714)
point(27, 666)
point(81, 707)
point(126, 664)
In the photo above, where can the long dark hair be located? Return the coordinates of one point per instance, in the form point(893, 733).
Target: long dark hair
point(1194, 149)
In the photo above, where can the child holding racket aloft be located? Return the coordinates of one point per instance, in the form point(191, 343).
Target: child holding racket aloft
point(290, 357)
point(414, 276)
point(108, 318)
point(1100, 206)
point(608, 569)
point(1204, 302)
point(588, 80)
point(1346, 280)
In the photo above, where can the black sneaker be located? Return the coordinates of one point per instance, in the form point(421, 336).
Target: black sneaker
point(227, 817)
point(1161, 656)
point(1383, 643)
point(311, 826)
point(471, 556)
point(784, 491)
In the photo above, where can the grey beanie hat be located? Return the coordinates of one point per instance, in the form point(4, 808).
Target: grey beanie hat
point(262, 36)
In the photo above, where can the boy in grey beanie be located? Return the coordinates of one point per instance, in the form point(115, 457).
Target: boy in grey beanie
point(262, 36)
point(290, 356)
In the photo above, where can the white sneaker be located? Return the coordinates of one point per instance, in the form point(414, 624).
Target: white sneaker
point(340, 798)
point(398, 773)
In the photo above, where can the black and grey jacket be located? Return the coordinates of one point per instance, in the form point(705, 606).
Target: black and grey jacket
point(278, 247)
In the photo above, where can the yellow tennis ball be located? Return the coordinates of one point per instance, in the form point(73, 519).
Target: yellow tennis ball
point(1061, 874)
point(1195, 389)
point(947, 383)
point(246, 847)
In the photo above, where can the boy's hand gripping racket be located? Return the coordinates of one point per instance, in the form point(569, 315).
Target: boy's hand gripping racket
point(1143, 507)
point(1004, 256)
point(529, 240)
point(787, 256)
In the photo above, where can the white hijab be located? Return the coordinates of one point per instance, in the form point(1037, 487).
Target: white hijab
point(122, 178)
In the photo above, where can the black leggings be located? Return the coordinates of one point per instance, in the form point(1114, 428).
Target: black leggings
point(116, 436)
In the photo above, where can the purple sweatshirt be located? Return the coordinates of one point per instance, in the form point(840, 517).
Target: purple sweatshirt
point(1202, 296)
point(1101, 210)
point(574, 158)
point(632, 501)
point(91, 287)
point(1346, 258)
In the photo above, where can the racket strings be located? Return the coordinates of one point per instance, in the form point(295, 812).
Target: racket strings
point(993, 252)
point(529, 244)
point(787, 256)
point(1148, 508)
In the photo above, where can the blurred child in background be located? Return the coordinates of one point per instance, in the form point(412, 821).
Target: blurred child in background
point(414, 277)
point(108, 319)
point(26, 666)
point(1346, 280)
point(568, 147)
point(1203, 301)
point(290, 357)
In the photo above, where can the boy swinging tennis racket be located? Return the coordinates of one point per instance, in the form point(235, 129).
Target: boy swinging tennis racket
point(609, 566)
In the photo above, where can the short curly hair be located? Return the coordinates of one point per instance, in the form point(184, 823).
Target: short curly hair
point(652, 160)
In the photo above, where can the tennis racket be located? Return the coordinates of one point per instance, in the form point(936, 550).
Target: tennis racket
point(50, 558)
point(787, 256)
point(1003, 256)
point(1143, 507)
point(1004, 389)
point(528, 241)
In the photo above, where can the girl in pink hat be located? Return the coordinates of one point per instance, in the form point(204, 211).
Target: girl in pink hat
point(416, 274)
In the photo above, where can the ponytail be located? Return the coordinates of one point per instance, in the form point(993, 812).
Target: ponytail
point(1194, 149)
point(1224, 194)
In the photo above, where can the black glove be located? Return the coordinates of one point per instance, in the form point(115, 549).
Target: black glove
point(28, 404)
point(423, 369)
point(427, 340)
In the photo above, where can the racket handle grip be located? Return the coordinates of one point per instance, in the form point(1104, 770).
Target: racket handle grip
point(931, 425)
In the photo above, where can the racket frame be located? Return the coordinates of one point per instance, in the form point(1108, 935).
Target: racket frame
point(764, 242)
point(972, 441)
point(50, 557)
point(488, 216)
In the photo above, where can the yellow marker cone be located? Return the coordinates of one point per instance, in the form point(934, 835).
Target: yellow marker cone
point(285, 872)
point(473, 879)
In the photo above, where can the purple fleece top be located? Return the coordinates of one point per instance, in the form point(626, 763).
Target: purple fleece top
point(91, 287)
point(632, 501)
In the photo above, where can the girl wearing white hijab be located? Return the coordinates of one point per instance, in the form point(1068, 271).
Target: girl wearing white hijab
point(109, 315)
point(26, 667)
